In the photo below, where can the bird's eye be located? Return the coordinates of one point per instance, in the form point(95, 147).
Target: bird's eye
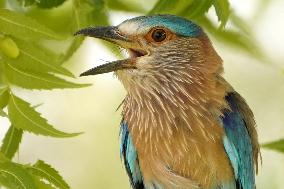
point(159, 35)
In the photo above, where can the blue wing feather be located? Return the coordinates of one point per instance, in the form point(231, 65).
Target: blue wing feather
point(238, 145)
point(130, 158)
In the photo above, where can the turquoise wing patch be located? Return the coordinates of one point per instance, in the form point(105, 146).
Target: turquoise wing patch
point(129, 155)
point(237, 143)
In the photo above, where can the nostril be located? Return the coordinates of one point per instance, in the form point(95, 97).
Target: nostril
point(136, 53)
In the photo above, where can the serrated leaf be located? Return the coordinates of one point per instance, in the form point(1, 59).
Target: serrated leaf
point(222, 8)
point(23, 116)
point(14, 176)
point(47, 4)
point(197, 9)
point(11, 142)
point(42, 185)
point(275, 145)
point(21, 26)
point(46, 172)
point(170, 6)
point(36, 80)
point(34, 58)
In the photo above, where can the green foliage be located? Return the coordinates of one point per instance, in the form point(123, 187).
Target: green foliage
point(35, 58)
point(23, 27)
point(35, 80)
point(4, 97)
point(222, 9)
point(48, 174)
point(37, 176)
point(11, 142)
point(122, 5)
point(14, 176)
point(46, 4)
point(86, 13)
point(170, 6)
point(26, 61)
point(49, 3)
point(23, 116)
point(275, 145)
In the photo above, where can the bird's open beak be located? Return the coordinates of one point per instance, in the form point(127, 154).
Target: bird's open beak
point(108, 33)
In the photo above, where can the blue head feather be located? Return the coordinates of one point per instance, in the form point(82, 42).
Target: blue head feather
point(178, 25)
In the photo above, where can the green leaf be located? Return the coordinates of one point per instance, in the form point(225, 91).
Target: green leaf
point(49, 174)
point(87, 12)
point(4, 97)
point(36, 80)
point(14, 176)
point(275, 145)
point(222, 8)
point(3, 88)
point(3, 114)
point(127, 6)
point(170, 6)
point(3, 159)
point(23, 116)
point(41, 184)
point(2, 3)
point(21, 26)
point(47, 4)
point(35, 58)
point(197, 9)
point(11, 142)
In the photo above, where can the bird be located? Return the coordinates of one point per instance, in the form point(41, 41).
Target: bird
point(183, 125)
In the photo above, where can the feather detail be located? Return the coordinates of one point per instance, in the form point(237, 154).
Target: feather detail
point(239, 141)
point(129, 156)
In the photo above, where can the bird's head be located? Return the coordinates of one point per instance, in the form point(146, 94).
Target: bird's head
point(162, 48)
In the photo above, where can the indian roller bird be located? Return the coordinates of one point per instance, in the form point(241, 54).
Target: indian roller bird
point(183, 125)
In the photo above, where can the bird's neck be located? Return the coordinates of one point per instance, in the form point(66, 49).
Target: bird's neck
point(158, 111)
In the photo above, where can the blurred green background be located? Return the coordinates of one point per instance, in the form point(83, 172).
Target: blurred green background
point(92, 159)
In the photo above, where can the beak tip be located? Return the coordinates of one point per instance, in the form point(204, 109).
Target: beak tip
point(82, 74)
point(78, 33)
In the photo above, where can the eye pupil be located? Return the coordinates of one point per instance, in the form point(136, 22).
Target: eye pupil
point(159, 35)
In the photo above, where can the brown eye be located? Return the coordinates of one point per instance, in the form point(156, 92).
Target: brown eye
point(159, 35)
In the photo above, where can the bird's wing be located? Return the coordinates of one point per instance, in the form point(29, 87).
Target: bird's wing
point(130, 158)
point(240, 140)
